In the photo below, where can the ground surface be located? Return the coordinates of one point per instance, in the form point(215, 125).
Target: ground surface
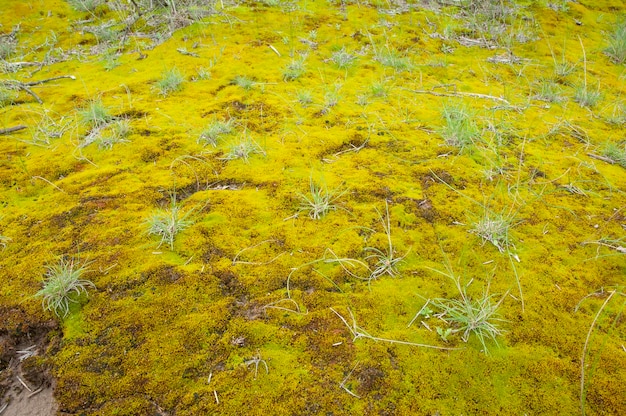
point(469, 142)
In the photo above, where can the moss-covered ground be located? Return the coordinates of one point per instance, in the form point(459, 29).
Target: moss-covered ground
point(422, 120)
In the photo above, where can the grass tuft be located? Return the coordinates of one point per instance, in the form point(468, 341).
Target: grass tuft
point(385, 260)
point(62, 281)
point(168, 223)
point(469, 316)
point(615, 152)
point(171, 81)
point(460, 129)
point(617, 43)
point(294, 70)
point(96, 114)
point(243, 149)
point(319, 201)
point(494, 228)
point(217, 128)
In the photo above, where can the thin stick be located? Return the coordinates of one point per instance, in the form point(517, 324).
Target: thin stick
point(10, 130)
point(418, 313)
point(50, 183)
point(24, 384)
point(602, 158)
point(32, 84)
point(460, 94)
point(358, 332)
point(39, 390)
point(582, 361)
point(343, 382)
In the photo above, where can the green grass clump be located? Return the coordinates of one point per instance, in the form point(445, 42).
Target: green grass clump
point(243, 82)
point(171, 81)
point(617, 43)
point(243, 149)
point(116, 132)
point(342, 59)
point(385, 261)
point(168, 223)
point(7, 97)
point(615, 152)
point(460, 129)
point(586, 97)
point(393, 59)
point(4, 240)
point(62, 280)
point(319, 201)
point(95, 114)
point(211, 134)
point(304, 97)
point(494, 228)
point(294, 70)
point(478, 316)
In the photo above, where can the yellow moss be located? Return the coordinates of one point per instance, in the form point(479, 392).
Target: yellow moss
point(161, 321)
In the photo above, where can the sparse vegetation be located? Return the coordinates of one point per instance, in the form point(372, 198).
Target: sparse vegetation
point(319, 201)
point(96, 114)
point(243, 82)
point(471, 316)
point(215, 130)
point(460, 129)
point(295, 69)
point(616, 50)
point(168, 223)
point(485, 129)
point(171, 81)
point(63, 280)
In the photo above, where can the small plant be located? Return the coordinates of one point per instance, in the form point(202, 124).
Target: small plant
point(7, 48)
point(548, 91)
point(171, 81)
point(215, 129)
point(304, 97)
point(586, 97)
point(392, 58)
point(243, 149)
point(617, 43)
point(342, 59)
point(615, 152)
point(62, 280)
point(467, 315)
point(380, 89)
point(494, 228)
point(7, 96)
point(243, 82)
point(460, 129)
point(331, 99)
point(115, 132)
point(470, 316)
point(319, 201)
point(203, 74)
point(294, 70)
point(168, 223)
point(385, 261)
point(96, 114)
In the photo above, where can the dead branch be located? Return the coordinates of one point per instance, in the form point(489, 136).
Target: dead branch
point(602, 158)
point(25, 86)
point(12, 129)
point(461, 94)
